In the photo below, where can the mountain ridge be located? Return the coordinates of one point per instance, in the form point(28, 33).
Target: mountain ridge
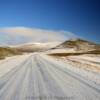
point(79, 44)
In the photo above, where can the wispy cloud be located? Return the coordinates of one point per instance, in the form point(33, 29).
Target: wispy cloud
point(17, 35)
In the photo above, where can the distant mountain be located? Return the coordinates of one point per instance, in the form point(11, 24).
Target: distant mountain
point(36, 47)
point(11, 50)
point(79, 45)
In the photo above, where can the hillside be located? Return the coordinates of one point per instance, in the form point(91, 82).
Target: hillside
point(79, 45)
point(7, 51)
point(36, 47)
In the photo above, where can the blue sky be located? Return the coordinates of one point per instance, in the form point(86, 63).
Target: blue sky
point(81, 17)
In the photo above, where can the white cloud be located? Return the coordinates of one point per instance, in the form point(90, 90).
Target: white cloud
point(17, 35)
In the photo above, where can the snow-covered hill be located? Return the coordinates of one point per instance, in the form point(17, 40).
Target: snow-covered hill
point(79, 44)
point(34, 47)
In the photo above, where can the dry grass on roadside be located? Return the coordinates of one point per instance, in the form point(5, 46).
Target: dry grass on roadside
point(77, 53)
point(6, 51)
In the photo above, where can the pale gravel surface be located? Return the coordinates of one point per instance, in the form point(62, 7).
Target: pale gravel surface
point(85, 66)
point(39, 77)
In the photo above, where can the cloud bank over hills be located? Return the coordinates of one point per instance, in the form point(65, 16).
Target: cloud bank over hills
point(19, 35)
